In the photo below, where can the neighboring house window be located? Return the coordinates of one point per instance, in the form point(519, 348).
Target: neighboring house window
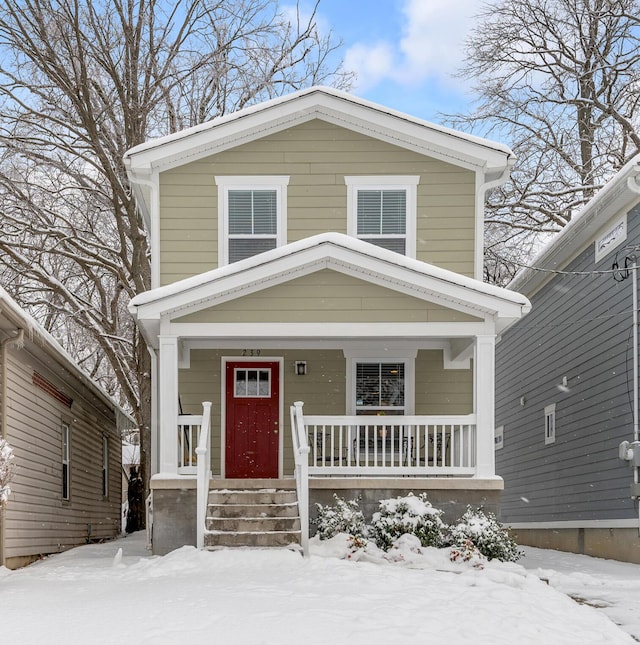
point(251, 215)
point(105, 466)
point(550, 423)
point(382, 210)
point(380, 388)
point(66, 466)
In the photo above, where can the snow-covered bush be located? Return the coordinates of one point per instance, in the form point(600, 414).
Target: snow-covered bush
point(487, 534)
point(342, 517)
point(6, 470)
point(411, 514)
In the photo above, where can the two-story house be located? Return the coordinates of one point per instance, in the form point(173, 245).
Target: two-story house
point(321, 249)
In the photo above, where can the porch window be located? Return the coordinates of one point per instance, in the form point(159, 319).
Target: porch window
point(380, 388)
point(382, 211)
point(251, 213)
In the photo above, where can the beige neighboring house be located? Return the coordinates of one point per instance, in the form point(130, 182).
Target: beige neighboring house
point(64, 432)
point(322, 250)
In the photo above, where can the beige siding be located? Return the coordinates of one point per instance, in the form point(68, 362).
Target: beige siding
point(327, 296)
point(38, 520)
point(316, 156)
point(323, 389)
point(440, 391)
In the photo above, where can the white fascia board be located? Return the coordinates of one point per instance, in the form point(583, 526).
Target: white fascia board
point(416, 331)
point(337, 107)
point(623, 189)
point(341, 253)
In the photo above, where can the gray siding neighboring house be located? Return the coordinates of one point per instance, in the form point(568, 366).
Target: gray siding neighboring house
point(64, 430)
point(572, 359)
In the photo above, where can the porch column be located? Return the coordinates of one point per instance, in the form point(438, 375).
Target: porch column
point(484, 400)
point(168, 393)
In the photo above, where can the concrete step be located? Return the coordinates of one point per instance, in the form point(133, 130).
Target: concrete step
point(253, 524)
point(253, 510)
point(252, 497)
point(219, 539)
point(252, 513)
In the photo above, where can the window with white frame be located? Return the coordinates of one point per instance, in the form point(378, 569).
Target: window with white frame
point(380, 388)
point(105, 466)
point(382, 210)
point(550, 423)
point(251, 215)
point(66, 471)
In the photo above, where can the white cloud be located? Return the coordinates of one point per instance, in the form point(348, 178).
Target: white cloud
point(429, 48)
point(372, 63)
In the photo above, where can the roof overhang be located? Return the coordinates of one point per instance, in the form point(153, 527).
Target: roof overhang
point(146, 160)
point(623, 190)
point(327, 251)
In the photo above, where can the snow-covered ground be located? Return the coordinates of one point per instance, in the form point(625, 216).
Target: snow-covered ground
point(117, 593)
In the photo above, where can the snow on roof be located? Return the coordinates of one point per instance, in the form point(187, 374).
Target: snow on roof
point(338, 240)
point(319, 90)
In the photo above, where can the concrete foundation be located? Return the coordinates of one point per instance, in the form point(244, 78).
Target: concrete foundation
point(613, 543)
point(174, 500)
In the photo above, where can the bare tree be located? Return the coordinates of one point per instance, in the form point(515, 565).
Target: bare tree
point(80, 83)
point(559, 80)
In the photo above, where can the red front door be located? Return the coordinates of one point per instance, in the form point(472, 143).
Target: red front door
point(252, 419)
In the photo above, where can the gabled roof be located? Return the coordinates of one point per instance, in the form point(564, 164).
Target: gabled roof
point(622, 190)
point(328, 104)
point(333, 251)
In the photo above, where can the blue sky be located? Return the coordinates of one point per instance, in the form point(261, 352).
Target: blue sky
point(404, 52)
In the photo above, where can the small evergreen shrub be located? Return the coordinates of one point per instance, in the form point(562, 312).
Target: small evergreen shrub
point(342, 517)
point(411, 514)
point(487, 534)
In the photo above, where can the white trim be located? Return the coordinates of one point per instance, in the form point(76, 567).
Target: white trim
point(223, 405)
point(278, 183)
point(550, 413)
point(168, 391)
point(576, 524)
point(408, 183)
point(427, 331)
point(324, 103)
point(484, 370)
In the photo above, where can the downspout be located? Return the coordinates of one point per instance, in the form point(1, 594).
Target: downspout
point(18, 341)
point(481, 191)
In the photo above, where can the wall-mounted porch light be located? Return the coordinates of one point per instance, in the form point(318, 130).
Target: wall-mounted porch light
point(301, 368)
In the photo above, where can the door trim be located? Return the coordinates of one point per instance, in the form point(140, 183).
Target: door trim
point(223, 405)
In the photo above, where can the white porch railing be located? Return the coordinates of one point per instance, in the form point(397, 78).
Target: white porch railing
point(189, 426)
point(301, 457)
point(203, 474)
point(390, 445)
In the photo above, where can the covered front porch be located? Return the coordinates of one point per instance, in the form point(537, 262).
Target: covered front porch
point(387, 363)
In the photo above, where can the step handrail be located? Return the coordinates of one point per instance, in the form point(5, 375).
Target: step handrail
point(301, 451)
point(203, 473)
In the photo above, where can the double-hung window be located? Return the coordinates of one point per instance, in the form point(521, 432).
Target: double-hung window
point(66, 454)
point(251, 215)
point(382, 210)
point(380, 388)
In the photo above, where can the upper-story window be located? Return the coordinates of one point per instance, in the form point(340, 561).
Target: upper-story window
point(382, 210)
point(251, 215)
